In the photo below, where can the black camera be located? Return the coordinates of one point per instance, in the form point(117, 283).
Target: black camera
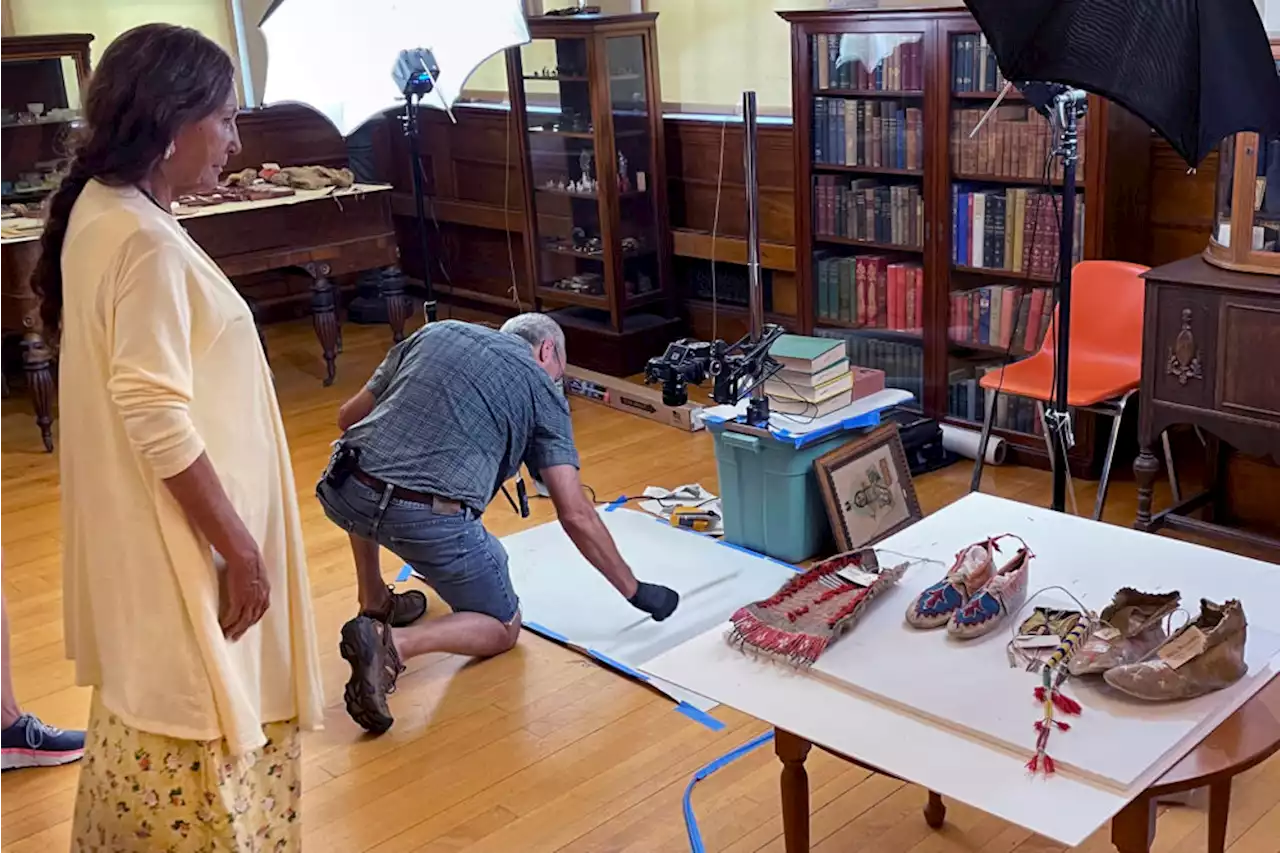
point(685, 361)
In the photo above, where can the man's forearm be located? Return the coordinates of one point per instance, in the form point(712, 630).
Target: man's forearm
point(593, 540)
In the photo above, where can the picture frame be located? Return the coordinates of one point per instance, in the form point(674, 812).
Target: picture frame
point(867, 488)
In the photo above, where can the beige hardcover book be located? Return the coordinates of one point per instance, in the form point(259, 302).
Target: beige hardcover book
point(781, 389)
point(803, 408)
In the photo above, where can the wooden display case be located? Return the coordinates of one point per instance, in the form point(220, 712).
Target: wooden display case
point(585, 91)
point(1246, 229)
point(891, 188)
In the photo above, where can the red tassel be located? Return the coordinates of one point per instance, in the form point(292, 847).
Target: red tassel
point(1065, 703)
point(1034, 764)
point(1039, 725)
point(1062, 727)
point(1039, 694)
point(1049, 766)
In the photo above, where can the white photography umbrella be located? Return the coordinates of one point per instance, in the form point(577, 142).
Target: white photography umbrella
point(337, 55)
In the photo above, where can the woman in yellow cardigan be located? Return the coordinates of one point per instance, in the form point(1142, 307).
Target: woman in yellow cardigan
point(186, 600)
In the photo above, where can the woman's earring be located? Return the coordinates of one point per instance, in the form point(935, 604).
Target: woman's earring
point(168, 152)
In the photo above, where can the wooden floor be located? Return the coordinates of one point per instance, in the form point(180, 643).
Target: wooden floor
point(540, 749)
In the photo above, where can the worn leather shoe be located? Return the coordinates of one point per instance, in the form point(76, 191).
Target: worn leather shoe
point(1129, 629)
point(1201, 657)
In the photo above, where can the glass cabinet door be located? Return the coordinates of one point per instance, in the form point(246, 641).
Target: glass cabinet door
point(565, 171)
point(637, 239)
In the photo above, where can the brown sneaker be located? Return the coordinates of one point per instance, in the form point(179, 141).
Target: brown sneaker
point(1204, 656)
point(375, 666)
point(1129, 629)
point(403, 608)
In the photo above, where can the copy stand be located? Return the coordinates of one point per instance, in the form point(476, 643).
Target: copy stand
point(1069, 106)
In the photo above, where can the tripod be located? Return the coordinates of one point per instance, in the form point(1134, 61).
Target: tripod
point(409, 121)
point(1068, 105)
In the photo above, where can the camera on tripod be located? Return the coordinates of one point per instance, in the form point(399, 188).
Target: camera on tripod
point(736, 369)
point(686, 361)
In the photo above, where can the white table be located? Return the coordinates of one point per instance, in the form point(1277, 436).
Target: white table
point(810, 708)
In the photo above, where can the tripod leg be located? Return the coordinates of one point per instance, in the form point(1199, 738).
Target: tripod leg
point(975, 483)
point(1051, 444)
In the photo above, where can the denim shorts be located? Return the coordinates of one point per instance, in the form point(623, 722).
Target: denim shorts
point(464, 563)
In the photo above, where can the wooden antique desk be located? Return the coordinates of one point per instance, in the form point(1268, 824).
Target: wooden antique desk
point(924, 733)
point(1211, 358)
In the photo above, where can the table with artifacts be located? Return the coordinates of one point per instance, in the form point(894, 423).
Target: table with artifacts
point(1050, 670)
point(315, 219)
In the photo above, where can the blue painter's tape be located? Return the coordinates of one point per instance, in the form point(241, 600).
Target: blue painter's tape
point(405, 572)
point(547, 632)
point(699, 716)
point(615, 503)
point(620, 667)
point(746, 550)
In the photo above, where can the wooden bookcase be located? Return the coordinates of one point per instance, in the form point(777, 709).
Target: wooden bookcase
point(889, 184)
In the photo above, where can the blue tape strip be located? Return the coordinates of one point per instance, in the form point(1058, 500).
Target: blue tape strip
point(615, 503)
point(746, 550)
point(690, 819)
point(700, 716)
point(544, 631)
point(405, 572)
point(621, 667)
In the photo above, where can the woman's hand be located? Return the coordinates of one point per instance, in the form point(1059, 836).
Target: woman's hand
point(244, 593)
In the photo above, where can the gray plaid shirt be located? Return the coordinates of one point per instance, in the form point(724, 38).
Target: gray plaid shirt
point(459, 408)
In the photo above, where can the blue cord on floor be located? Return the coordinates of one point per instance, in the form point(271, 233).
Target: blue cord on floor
point(690, 820)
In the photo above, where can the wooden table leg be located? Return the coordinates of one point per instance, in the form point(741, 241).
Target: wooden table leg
point(1219, 809)
point(1145, 469)
point(935, 811)
point(795, 790)
point(1133, 830)
point(38, 363)
point(391, 283)
point(324, 316)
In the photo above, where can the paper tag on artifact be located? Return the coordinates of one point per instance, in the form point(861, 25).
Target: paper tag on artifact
point(1037, 641)
point(857, 576)
point(1106, 634)
point(1188, 645)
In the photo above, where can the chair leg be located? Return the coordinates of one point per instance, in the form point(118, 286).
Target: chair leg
point(1106, 463)
point(1174, 486)
point(975, 482)
point(1053, 458)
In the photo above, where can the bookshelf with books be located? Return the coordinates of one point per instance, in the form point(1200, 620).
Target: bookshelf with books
point(932, 249)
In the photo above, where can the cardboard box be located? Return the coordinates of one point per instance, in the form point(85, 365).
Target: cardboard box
point(626, 396)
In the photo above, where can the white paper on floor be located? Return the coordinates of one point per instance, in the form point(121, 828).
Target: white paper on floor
point(561, 592)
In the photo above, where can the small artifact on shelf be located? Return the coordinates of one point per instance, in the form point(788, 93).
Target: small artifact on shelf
point(1200, 657)
point(643, 285)
point(813, 610)
point(589, 284)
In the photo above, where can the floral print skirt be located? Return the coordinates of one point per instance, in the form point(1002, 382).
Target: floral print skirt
point(146, 792)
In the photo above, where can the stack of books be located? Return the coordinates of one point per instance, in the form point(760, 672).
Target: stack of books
point(816, 378)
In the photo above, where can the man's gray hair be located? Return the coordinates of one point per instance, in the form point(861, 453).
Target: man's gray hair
point(535, 328)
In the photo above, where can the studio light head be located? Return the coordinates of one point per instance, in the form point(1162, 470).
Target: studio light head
point(415, 72)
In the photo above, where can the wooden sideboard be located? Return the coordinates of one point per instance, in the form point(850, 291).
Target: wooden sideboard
point(1211, 344)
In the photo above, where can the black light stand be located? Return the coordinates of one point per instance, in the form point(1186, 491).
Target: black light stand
point(1067, 106)
point(415, 72)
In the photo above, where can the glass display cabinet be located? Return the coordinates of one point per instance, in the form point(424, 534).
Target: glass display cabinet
point(585, 91)
point(1246, 224)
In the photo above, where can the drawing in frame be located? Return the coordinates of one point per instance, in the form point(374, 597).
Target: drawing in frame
point(867, 488)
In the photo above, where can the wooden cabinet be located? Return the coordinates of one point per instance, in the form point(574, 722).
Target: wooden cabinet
point(927, 245)
point(585, 95)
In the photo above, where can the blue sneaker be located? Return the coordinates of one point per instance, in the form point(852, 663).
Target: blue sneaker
point(32, 743)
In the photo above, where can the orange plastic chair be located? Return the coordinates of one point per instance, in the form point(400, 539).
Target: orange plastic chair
point(1105, 359)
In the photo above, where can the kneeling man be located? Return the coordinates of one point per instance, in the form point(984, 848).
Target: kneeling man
point(450, 415)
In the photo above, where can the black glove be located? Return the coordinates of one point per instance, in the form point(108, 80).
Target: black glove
point(658, 601)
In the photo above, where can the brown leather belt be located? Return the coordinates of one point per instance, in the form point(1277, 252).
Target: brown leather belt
point(442, 506)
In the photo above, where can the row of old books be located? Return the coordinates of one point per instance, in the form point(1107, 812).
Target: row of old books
point(1013, 229)
point(973, 65)
point(1014, 142)
point(902, 363)
point(875, 62)
point(815, 378)
point(870, 291)
point(966, 399)
point(868, 210)
point(876, 133)
point(1007, 317)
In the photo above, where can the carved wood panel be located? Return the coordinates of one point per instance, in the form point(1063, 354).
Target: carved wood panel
point(1185, 347)
point(1248, 385)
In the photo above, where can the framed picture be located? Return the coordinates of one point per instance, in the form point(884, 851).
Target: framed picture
point(866, 485)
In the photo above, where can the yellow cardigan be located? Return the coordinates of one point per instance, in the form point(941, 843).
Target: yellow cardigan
point(160, 362)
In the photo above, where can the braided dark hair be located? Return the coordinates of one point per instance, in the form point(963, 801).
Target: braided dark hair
point(150, 82)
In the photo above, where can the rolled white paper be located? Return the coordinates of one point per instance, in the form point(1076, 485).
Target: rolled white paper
point(965, 442)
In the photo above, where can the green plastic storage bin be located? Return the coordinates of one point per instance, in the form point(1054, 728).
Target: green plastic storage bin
point(769, 493)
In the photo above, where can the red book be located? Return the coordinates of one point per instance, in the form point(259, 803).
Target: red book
point(909, 318)
point(919, 319)
point(880, 267)
point(1032, 340)
point(895, 292)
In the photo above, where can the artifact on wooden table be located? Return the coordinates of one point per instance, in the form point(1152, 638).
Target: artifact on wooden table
point(971, 570)
point(810, 612)
point(999, 597)
point(227, 194)
point(312, 177)
point(1203, 656)
point(1128, 629)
